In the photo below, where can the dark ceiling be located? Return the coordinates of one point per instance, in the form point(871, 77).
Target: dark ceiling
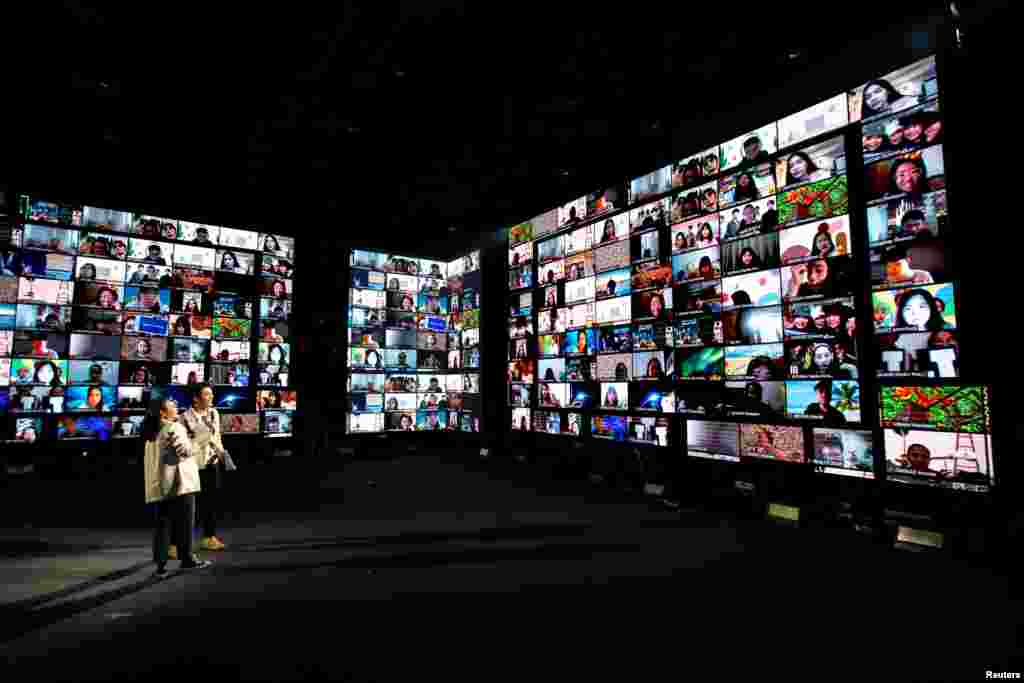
point(383, 114)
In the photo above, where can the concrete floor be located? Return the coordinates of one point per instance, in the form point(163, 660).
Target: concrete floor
point(420, 567)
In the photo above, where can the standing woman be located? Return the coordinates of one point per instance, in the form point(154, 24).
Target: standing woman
point(203, 425)
point(172, 480)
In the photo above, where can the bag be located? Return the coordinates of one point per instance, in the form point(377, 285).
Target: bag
point(170, 481)
point(153, 471)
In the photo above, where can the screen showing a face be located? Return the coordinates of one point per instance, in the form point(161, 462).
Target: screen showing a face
point(572, 212)
point(694, 169)
point(750, 149)
point(91, 398)
point(830, 401)
point(278, 245)
point(925, 308)
point(817, 162)
point(105, 270)
point(952, 460)
point(754, 183)
point(902, 89)
point(899, 133)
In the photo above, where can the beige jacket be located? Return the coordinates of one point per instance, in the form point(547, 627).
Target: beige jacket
point(205, 434)
point(170, 464)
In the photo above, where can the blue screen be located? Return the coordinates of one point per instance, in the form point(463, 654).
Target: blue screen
point(8, 315)
point(230, 398)
point(152, 325)
point(179, 395)
point(580, 396)
point(91, 427)
point(651, 401)
point(436, 324)
point(608, 427)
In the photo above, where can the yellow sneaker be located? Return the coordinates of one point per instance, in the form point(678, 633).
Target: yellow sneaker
point(210, 543)
point(172, 552)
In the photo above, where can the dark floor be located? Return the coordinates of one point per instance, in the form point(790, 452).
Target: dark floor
point(421, 567)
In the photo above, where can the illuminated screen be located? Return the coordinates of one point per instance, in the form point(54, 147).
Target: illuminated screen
point(239, 423)
point(110, 309)
point(844, 452)
point(653, 431)
point(826, 400)
point(611, 427)
point(278, 423)
point(772, 442)
point(565, 424)
point(713, 440)
point(927, 308)
point(962, 408)
point(649, 398)
point(417, 321)
point(731, 285)
point(954, 460)
point(651, 185)
point(90, 427)
point(749, 149)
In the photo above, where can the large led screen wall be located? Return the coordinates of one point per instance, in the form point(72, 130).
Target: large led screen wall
point(102, 311)
point(413, 344)
point(712, 305)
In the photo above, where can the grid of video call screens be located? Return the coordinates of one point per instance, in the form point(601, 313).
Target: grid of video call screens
point(719, 286)
point(102, 311)
point(723, 289)
point(413, 344)
point(913, 293)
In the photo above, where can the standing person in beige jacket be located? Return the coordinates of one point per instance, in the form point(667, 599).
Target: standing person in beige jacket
point(203, 425)
point(172, 482)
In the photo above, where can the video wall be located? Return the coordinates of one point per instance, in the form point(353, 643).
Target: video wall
point(102, 311)
point(717, 298)
point(413, 344)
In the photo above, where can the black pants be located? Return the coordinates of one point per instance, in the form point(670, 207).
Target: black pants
point(175, 518)
point(209, 498)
